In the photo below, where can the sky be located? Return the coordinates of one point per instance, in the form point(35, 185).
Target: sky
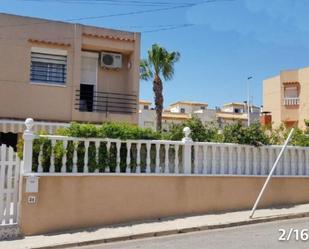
point(221, 42)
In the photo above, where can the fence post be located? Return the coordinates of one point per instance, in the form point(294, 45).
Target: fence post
point(28, 137)
point(186, 153)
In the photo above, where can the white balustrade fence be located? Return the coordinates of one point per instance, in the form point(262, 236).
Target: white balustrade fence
point(9, 184)
point(235, 159)
point(52, 154)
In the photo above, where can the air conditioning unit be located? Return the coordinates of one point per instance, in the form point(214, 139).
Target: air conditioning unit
point(111, 60)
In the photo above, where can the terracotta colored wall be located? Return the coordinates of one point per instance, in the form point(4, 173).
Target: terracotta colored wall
point(304, 96)
point(70, 202)
point(56, 103)
point(272, 98)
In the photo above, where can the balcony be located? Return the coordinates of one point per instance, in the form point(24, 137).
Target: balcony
point(105, 102)
point(291, 101)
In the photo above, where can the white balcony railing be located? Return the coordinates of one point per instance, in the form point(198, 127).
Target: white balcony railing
point(291, 101)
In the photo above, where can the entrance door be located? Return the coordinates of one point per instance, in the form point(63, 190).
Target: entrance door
point(88, 84)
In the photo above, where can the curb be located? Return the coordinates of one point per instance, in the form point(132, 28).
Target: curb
point(175, 231)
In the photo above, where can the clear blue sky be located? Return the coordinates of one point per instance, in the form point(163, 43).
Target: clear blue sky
point(229, 40)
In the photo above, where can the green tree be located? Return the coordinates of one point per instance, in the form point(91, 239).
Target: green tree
point(199, 131)
point(160, 63)
point(253, 135)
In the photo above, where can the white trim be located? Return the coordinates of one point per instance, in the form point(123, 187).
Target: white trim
point(11, 121)
point(156, 174)
point(17, 126)
point(49, 51)
point(48, 84)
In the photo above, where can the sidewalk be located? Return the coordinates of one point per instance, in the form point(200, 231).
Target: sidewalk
point(155, 228)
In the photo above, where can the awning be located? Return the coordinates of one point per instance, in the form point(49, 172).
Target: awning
point(18, 126)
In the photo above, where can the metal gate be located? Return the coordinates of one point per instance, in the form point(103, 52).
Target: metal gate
point(9, 186)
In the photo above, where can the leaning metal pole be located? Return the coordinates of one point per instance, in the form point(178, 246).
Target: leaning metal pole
point(271, 173)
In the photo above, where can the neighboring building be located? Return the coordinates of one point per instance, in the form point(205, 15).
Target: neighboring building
point(176, 113)
point(147, 115)
point(286, 97)
point(169, 118)
point(191, 109)
point(57, 72)
point(236, 112)
point(184, 110)
point(187, 107)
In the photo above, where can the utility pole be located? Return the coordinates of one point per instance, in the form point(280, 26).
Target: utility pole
point(248, 99)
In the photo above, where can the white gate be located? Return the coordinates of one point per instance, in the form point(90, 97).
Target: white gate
point(9, 185)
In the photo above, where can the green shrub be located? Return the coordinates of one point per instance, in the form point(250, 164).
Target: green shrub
point(253, 135)
point(199, 131)
point(109, 130)
point(106, 159)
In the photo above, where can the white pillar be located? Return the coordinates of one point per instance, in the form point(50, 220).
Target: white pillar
point(28, 137)
point(186, 155)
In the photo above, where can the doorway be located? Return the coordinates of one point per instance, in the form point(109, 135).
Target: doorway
point(86, 98)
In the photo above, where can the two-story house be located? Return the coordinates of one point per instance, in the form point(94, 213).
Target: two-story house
point(237, 112)
point(286, 97)
point(58, 72)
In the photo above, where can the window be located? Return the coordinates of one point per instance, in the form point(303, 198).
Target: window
point(291, 92)
point(182, 110)
point(48, 68)
point(237, 110)
point(202, 107)
point(146, 107)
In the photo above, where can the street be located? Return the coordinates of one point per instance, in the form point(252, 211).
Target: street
point(259, 236)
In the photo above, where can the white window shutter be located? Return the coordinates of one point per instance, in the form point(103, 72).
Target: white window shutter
point(89, 69)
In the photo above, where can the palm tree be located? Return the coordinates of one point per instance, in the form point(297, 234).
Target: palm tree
point(159, 63)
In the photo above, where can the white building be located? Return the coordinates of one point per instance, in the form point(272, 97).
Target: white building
point(236, 112)
point(187, 107)
point(176, 113)
point(147, 115)
point(181, 111)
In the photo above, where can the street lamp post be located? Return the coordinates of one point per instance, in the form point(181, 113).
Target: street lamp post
point(248, 99)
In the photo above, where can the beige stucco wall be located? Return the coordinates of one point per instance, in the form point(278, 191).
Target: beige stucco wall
point(21, 99)
point(273, 97)
point(70, 202)
point(304, 96)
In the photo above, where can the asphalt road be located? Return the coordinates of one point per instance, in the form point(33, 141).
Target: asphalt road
point(259, 236)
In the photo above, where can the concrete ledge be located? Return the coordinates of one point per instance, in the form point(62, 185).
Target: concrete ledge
point(146, 229)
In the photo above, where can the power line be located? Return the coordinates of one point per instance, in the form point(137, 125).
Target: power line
point(157, 28)
point(118, 2)
point(120, 14)
point(103, 3)
point(168, 28)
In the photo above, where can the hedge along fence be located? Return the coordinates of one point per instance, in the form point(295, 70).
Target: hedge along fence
point(103, 161)
point(106, 159)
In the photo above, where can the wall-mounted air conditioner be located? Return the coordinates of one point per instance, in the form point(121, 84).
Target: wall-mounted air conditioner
point(111, 60)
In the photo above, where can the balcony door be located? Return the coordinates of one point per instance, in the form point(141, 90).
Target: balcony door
point(88, 84)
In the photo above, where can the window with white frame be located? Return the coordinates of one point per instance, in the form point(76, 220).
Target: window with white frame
point(48, 66)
